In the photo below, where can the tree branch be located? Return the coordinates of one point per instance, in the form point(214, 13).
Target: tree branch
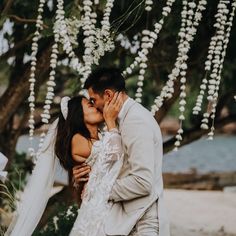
point(7, 7)
point(23, 20)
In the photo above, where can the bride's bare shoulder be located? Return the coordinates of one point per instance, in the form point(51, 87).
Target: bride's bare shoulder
point(80, 148)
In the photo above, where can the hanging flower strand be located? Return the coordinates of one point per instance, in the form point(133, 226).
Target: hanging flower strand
point(148, 5)
point(191, 16)
point(191, 23)
point(186, 35)
point(147, 43)
point(89, 38)
point(32, 79)
point(51, 82)
point(214, 64)
point(97, 41)
point(168, 89)
point(221, 62)
point(152, 35)
point(103, 40)
point(185, 41)
point(61, 29)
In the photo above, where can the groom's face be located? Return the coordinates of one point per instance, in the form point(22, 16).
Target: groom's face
point(98, 100)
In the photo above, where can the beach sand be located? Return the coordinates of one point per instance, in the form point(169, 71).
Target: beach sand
point(201, 213)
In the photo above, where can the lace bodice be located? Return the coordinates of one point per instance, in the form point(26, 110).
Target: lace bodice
point(106, 160)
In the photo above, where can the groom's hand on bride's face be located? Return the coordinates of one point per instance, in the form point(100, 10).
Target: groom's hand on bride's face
point(81, 173)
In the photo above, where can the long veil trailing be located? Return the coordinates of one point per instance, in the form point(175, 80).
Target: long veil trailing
point(37, 191)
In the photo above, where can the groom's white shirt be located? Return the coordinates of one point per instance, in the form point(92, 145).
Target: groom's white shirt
point(140, 182)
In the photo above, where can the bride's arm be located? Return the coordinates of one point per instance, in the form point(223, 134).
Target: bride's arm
point(80, 150)
point(113, 145)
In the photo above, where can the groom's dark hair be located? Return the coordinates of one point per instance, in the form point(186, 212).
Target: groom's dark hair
point(105, 78)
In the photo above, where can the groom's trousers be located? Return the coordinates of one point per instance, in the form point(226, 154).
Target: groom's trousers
point(148, 224)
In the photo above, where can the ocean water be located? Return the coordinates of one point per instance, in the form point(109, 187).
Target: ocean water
point(203, 155)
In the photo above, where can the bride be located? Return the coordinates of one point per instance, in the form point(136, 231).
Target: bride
point(74, 138)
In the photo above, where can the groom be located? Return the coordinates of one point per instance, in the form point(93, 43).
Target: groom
point(137, 194)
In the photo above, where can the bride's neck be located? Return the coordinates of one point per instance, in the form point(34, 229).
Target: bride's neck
point(93, 130)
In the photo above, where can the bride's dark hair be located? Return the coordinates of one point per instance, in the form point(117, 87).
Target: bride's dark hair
point(67, 128)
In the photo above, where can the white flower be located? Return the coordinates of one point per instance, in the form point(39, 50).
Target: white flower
point(204, 126)
point(177, 143)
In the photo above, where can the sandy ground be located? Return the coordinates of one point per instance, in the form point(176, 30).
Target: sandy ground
point(201, 213)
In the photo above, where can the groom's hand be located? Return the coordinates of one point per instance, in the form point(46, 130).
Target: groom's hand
point(81, 173)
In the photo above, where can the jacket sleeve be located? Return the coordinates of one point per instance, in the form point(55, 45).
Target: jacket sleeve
point(112, 145)
point(138, 139)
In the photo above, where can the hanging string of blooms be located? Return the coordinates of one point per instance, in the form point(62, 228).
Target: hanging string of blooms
point(147, 43)
point(133, 45)
point(32, 79)
point(148, 5)
point(96, 43)
point(191, 17)
point(186, 35)
point(98, 40)
point(104, 41)
point(66, 38)
point(189, 35)
point(214, 64)
point(60, 34)
point(88, 31)
point(53, 63)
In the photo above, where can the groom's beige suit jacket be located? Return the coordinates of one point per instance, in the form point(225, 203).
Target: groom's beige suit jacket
point(140, 182)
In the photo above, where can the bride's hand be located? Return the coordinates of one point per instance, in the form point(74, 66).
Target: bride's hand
point(111, 110)
point(81, 172)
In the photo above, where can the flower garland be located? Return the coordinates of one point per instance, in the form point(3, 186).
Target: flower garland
point(148, 5)
point(65, 34)
point(32, 79)
point(132, 46)
point(215, 60)
point(191, 17)
point(103, 40)
point(88, 31)
point(60, 35)
point(53, 63)
point(147, 43)
point(97, 41)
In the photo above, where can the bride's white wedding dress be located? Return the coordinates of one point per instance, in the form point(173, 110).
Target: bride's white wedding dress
point(106, 160)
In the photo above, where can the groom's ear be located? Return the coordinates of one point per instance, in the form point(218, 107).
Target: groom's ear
point(108, 95)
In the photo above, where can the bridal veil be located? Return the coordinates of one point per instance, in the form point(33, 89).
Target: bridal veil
point(37, 191)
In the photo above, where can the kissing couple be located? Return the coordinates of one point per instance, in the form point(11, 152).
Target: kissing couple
point(120, 170)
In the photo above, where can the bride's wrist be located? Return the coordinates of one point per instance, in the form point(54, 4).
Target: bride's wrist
point(111, 125)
